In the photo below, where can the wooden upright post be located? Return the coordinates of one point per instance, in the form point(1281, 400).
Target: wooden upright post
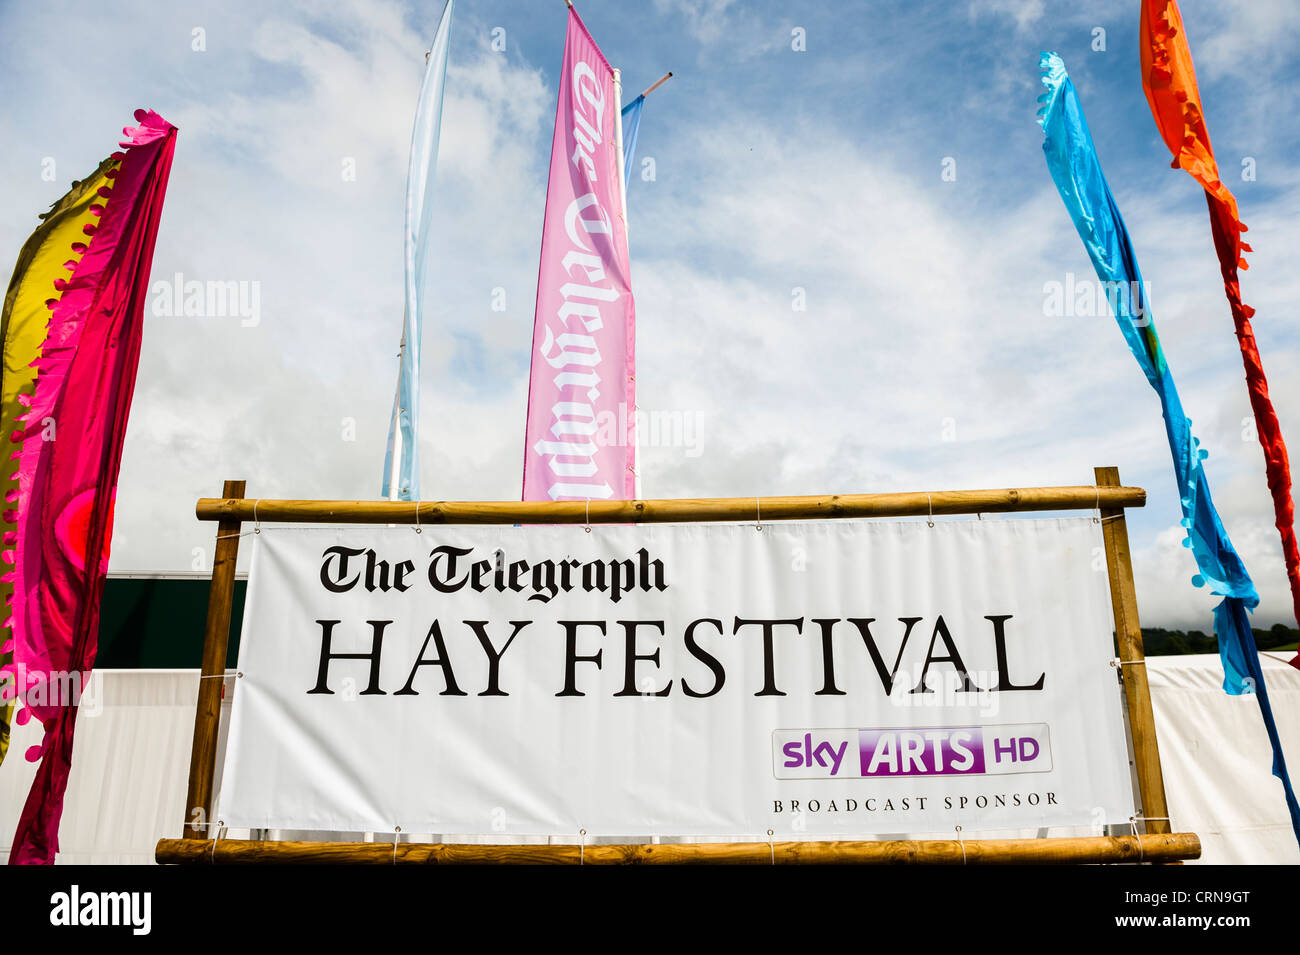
point(216, 637)
point(1128, 636)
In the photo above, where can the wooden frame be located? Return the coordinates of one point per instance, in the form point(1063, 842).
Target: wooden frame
point(1155, 844)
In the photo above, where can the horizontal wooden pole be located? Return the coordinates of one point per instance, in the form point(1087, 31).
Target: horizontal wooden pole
point(813, 507)
point(1066, 851)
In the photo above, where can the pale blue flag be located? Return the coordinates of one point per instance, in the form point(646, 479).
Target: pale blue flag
point(402, 461)
point(631, 123)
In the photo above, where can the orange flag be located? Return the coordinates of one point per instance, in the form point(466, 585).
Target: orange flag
point(1169, 79)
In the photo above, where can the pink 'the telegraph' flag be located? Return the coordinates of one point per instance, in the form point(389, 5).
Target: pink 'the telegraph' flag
point(579, 440)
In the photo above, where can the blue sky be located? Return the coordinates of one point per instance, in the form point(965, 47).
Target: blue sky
point(924, 357)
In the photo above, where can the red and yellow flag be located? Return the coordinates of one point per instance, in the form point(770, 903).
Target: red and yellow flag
point(71, 345)
point(47, 257)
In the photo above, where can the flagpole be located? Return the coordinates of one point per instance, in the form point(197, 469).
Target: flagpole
point(622, 192)
point(618, 140)
point(658, 83)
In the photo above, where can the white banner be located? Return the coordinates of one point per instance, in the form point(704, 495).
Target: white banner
point(850, 677)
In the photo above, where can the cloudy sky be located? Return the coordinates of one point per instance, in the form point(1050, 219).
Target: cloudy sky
point(926, 357)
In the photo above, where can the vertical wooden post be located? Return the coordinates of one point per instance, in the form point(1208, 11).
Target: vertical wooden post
point(1128, 636)
point(216, 637)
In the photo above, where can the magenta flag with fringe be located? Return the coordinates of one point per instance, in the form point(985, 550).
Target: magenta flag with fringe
point(85, 378)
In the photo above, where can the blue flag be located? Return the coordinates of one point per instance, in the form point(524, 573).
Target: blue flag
point(402, 460)
point(631, 123)
point(1076, 170)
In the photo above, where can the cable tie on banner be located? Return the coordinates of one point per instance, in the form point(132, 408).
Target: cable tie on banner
point(257, 525)
point(1128, 663)
point(222, 675)
point(582, 847)
point(1132, 821)
point(418, 530)
point(962, 843)
point(219, 834)
point(771, 845)
point(587, 527)
point(1097, 519)
point(397, 834)
point(930, 520)
point(758, 514)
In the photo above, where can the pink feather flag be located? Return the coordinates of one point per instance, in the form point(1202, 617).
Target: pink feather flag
point(580, 440)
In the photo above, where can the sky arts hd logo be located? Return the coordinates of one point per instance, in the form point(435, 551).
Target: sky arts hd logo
point(922, 751)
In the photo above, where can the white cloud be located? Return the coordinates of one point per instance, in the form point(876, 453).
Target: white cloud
point(706, 20)
point(1024, 13)
point(1243, 39)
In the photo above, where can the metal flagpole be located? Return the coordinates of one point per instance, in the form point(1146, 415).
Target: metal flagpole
point(622, 191)
point(658, 83)
point(618, 140)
